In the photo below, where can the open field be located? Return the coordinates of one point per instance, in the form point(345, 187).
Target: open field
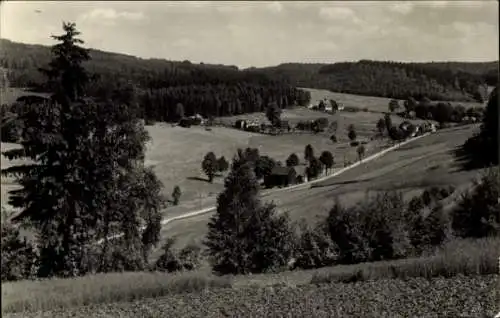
point(375, 104)
point(60, 297)
point(176, 153)
point(424, 163)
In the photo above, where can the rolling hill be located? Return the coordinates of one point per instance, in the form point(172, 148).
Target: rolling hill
point(456, 81)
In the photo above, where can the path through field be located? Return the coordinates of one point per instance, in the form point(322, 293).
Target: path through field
point(410, 167)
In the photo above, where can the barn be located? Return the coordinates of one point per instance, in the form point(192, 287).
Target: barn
point(280, 176)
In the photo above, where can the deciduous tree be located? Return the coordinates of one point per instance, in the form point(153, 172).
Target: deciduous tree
point(209, 165)
point(292, 160)
point(326, 159)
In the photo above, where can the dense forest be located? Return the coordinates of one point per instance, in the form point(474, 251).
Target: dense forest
point(216, 90)
point(165, 90)
point(454, 81)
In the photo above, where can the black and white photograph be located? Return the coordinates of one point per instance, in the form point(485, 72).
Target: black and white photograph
point(210, 159)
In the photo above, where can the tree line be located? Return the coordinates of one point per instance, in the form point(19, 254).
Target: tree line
point(437, 81)
point(159, 86)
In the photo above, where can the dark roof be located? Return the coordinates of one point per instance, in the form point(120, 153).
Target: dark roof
point(280, 171)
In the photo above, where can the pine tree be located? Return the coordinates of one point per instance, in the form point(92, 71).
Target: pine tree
point(245, 235)
point(88, 180)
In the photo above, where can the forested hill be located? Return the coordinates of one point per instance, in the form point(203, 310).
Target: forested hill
point(160, 85)
point(437, 80)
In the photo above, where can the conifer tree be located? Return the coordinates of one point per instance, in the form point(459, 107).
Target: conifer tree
point(245, 235)
point(88, 180)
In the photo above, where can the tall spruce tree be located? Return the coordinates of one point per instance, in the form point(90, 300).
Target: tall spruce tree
point(88, 180)
point(245, 235)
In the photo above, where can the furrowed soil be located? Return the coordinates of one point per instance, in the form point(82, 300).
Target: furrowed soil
point(461, 296)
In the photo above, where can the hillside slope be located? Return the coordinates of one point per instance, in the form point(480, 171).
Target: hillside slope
point(459, 81)
point(157, 85)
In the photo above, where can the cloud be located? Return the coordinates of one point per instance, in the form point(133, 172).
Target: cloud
point(275, 7)
point(184, 42)
point(108, 15)
point(403, 8)
point(339, 14)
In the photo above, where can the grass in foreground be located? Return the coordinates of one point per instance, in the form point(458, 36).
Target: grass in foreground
point(417, 297)
point(465, 257)
point(461, 257)
point(31, 296)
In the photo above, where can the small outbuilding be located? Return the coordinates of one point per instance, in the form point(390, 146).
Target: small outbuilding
point(280, 176)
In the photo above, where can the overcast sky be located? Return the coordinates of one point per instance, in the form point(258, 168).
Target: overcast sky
point(267, 33)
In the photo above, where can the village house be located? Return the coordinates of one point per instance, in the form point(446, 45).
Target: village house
point(285, 176)
point(280, 176)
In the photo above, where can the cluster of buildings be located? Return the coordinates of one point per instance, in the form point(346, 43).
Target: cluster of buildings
point(328, 106)
point(257, 126)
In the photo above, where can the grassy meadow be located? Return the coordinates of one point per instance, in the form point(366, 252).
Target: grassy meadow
point(371, 103)
point(424, 163)
point(469, 266)
point(176, 153)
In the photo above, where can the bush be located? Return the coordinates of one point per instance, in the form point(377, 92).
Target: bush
point(460, 257)
point(375, 229)
point(188, 258)
point(333, 138)
point(429, 230)
point(315, 248)
point(176, 195)
point(19, 257)
point(478, 210)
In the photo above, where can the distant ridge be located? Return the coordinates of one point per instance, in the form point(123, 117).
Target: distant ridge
point(458, 81)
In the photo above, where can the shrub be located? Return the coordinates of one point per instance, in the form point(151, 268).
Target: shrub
point(375, 229)
point(176, 195)
point(315, 248)
point(459, 257)
point(478, 210)
point(168, 261)
point(190, 257)
point(345, 231)
point(19, 257)
point(333, 138)
point(172, 260)
point(352, 132)
point(429, 230)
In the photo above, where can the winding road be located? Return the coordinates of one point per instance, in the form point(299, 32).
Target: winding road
point(301, 186)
